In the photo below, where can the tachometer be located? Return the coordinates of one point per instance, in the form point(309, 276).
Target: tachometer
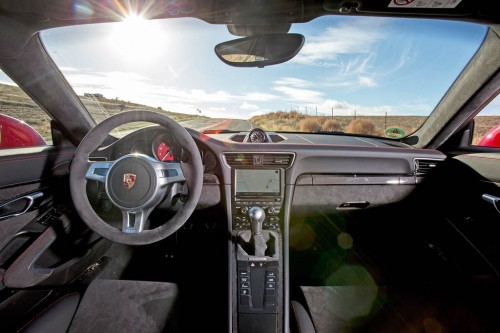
point(165, 148)
point(164, 152)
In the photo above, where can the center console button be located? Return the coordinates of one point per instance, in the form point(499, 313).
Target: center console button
point(245, 299)
point(270, 300)
point(270, 279)
point(270, 292)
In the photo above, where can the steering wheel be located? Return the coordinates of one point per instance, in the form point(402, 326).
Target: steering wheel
point(135, 183)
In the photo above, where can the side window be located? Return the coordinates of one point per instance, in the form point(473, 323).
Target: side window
point(22, 122)
point(487, 125)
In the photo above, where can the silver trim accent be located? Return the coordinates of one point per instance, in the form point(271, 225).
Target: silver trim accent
point(495, 201)
point(415, 164)
point(357, 180)
point(293, 155)
point(91, 172)
point(135, 218)
point(30, 201)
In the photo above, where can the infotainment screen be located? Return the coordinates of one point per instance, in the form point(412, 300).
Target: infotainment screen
point(255, 182)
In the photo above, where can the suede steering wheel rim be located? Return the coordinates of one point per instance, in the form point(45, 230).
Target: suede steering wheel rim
point(138, 192)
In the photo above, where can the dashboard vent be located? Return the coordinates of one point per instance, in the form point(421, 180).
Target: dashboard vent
point(424, 167)
point(259, 159)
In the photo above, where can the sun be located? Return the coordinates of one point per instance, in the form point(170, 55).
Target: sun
point(137, 39)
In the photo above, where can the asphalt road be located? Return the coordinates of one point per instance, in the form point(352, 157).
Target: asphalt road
point(218, 124)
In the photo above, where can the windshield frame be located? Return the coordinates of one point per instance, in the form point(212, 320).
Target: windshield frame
point(317, 131)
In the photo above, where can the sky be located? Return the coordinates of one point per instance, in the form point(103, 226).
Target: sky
point(371, 66)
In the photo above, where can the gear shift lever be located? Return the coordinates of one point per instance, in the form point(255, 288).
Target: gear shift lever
point(257, 215)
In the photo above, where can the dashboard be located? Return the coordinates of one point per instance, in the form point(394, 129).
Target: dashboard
point(321, 169)
point(299, 175)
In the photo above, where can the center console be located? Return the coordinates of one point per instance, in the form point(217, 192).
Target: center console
point(257, 196)
point(257, 188)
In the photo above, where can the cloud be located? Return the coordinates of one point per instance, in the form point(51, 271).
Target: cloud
point(353, 37)
point(293, 81)
point(201, 95)
point(259, 97)
point(246, 106)
point(142, 90)
point(66, 69)
point(257, 113)
point(215, 109)
point(367, 81)
point(221, 103)
point(175, 75)
point(301, 95)
point(293, 89)
point(342, 108)
point(7, 82)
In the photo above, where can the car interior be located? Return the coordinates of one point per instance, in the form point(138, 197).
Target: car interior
point(247, 230)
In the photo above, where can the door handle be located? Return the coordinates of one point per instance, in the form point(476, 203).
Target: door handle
point(495, 201)
point(19, 206)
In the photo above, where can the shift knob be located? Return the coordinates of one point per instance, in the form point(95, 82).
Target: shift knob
point(256, 215)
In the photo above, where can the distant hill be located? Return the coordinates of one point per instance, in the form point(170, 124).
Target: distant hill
point(15, 103)
point(372, 125)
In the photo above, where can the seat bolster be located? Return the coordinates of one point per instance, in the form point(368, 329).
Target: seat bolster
point(125, 306)
point(301, 321)
point(56, 318)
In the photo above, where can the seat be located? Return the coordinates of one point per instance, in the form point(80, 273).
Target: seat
point(110, 306)
point(300, 320)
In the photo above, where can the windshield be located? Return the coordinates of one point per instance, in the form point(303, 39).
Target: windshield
point(375, 76)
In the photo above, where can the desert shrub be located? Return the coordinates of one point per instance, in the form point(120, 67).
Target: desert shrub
point(361, 126)
point(331, 125)
point(310, 125)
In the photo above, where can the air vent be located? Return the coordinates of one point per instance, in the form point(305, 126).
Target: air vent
point(424, 167)
point(259, 159)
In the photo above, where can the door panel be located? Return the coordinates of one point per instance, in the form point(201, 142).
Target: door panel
point(43, 242)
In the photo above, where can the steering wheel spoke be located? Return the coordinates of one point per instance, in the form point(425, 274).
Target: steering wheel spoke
point(135, 221)
point(170, 173)
point(98, 171)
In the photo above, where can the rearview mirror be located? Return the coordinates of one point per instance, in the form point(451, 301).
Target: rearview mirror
point(260, 51)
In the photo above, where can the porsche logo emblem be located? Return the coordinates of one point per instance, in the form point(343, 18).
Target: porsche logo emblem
point(129, 180)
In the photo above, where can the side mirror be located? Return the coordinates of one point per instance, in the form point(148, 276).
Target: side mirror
point(260, 51)
point(17, 134)
point(491, 138)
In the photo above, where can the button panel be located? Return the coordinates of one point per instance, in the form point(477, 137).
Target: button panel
point(271, 207)
point(257, 286)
